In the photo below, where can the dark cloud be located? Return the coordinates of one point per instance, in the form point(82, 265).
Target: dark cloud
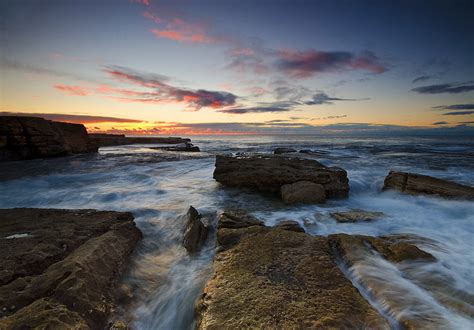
point(469, 106)
point(323, 98)
point(303, 64)
point(445, 88)
point(458, 113)
point(262, 108)
point(420, 79)
point(79, 119)
point(155, 90)
point(440, 123)
point(466, 122)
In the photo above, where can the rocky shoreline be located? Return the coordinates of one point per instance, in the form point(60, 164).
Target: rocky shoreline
point(60, 267)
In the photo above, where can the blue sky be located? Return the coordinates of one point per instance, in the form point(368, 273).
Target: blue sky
point(304, 64)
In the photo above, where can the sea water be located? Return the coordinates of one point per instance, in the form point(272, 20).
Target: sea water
point(159, 186)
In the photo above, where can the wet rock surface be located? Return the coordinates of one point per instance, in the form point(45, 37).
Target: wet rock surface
point(356, 216)
point(183, 147)
point(196, 230)
point(266, 277)
point(63, 272)
point(105, 140)
point(279, 151)
point(304, 192)
point(268, 173)
point(31, 137)
point(363, 254)
point(414, 184)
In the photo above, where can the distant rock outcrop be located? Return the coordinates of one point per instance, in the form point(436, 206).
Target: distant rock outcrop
point(279, 278)
point(105, 140)
point(270, 172)
point(195, 233)
point(183, 147)
point(414, 184)
point(59, 268)
point(31, 137)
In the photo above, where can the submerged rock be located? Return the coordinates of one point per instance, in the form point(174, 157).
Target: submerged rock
point(414, 184)
point(64, 274)
point(31, 137)
point(357, 216)
point(305, 192)
point(266, 277)
point(195, 233)
point(388, 283)
point(268, 173)
point(279, 151)
point(184, 147)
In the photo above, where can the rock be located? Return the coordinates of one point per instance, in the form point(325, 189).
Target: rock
point(105, 140)
point(290, 225)
point(268, 173)
point(356, 216)
point(185, 147)
point(195, 233)
point(305, 192)
point(31, 137)
point(279, 151)
point(268, 278)
point(414, 184)
point(314, 152)
point(409, 309)
point(56, 288)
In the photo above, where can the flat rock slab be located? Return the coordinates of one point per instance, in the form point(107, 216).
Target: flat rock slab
point(414, 184)
point(270, 172)
point(273, 278)
point(356, 216)
point(61, 269)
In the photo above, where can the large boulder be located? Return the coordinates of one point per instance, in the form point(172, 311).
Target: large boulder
point(270, 172)
point(273, 278)
point(305, 192)
point(414, 184)
point(31, 137)
point(59, 268)
point(195, 233)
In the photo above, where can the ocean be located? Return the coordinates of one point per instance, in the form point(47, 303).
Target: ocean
point(159, 186)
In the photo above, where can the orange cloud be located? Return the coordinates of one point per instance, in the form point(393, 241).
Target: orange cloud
point(73, 90)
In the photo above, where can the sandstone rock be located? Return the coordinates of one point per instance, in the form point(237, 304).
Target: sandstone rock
point(279, 151)
point(358, 251)
point(290, 225)
point(104, 140)
point(31, 137)
point(414, 184)
point(356, 216)
point(195, 233)
point(305, 192)
point(63, 274)
point(268, 278)
point(268, 173)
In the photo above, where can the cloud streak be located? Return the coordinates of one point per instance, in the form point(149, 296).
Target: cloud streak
point(323, 98)
point(304, 64)
point(157, 90)
point(76, 119)
point(445, 88)
point(458, 113)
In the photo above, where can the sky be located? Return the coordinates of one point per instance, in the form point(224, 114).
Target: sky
point(240, 67)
